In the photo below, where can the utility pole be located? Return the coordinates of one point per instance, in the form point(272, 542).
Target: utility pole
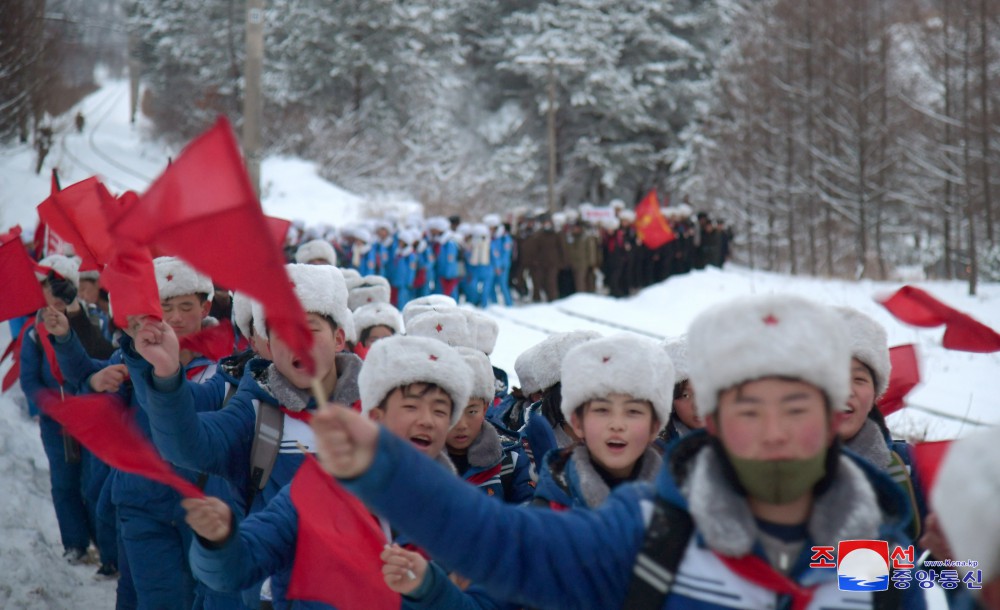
point(251, 96)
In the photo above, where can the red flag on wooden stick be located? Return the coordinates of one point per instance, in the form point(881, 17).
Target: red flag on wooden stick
point(203, 209)
point(76, 214)
point(337, 547)
point(106, 426)
point(652, 227)
point(914, 306)
point(22, 292)
point(904, 377)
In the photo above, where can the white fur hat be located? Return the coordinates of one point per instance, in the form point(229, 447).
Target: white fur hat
point(431, 302)
point(483, 328)
point(350, 276)
point(869, 344)
point(627, 215)
point(483, 381)
point(243, 313)
point(544, 360)
point(616, 204)
point(67, 267)
point(677, 349)
point(321, 290)
point(377, 314)
point(965, 496)
point(479, 230)
point(401, 360)
point(753, 337)
point(450, 326)
point(491, 220)
point(362, 234)
point(316, 249)
point(93, 275)
point(369, 289)
point(175, 278)
point(623, 364)
point(438, 223)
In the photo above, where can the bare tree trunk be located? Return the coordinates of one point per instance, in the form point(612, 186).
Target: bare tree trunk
point(966, 135)
point(948, 93)
point(790, 165)
point(810, 168)
point(861, 116)
point(984, 124)
point(883, 139)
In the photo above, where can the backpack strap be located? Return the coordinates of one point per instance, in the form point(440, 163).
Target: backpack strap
point(266, 441)
point(667, 537)
point(899, 471)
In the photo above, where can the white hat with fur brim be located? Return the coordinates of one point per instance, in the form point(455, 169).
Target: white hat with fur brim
point(620, 364)
point(369, 289)
point(544, 360)
point(377, 314)
point(483, 328)
point(321, 290)
point(431, 302)
point(869, 344)
point(66, 267)
point(677, 349)
point(243, 313)
point(314, 250)
point(399, 360)
point(756, 337)
point(449, 326)
point(483, 381)
point(176, 278)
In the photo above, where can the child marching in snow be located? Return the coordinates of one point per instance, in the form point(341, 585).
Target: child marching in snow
point(401, 269)
point(446, 250)
point(413, 386)
point(684, 417)
point(373, 322)
point(734, 513)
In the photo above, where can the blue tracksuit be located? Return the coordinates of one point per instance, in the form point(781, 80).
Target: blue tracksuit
point(401, 271)
point(581, 559)
point(446, 265)
point(501, 251)
point(367, 262)
point(424, 279)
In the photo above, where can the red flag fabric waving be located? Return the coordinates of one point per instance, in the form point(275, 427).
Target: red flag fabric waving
point(279, 229)
point(214, 342)
point(106, 426)
point(927, 459)
point(904, 377)
point(129, 277)
point(203, 209)
point(22, 292)
point(76, 213)
point(915, 306)
point(650, 224)
point(337, 546)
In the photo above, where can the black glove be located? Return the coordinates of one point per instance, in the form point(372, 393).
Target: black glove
point(62, 289)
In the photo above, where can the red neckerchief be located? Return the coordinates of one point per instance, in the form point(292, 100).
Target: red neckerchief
point(50, 354)
point(303, 415)
point(14, 351)
point(194, 371)
point(758, 571)
point(481, 477)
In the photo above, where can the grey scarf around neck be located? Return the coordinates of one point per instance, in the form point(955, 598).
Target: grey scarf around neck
point(870, 444)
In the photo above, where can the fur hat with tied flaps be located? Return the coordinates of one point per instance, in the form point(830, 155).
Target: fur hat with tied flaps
point(369, 289)
point(779, 335)
point(377, 314)
point(66, 267)
point(449, 326)
point(483, 330)
point(544, 360)
point(967, 511)
point(431, 302)
point(401, 360)
point(243, 313)
point(316, 249)
point(677, 349)
point(351, 276)
point(620, 364)
point(483, 381)
point(176, 278)
point(869, 344)
point(322, 291)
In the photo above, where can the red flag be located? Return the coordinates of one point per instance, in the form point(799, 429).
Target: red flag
point(204, 210)
point(14, 351)
point(129, 277)
point(914, 306)
point(927, 459)
point(337, 547)
point(279, 229)
point(214, 342)
point(105, 426)
point(76, 213)
point(22, 292)
point(653, 229)
point(904, 377)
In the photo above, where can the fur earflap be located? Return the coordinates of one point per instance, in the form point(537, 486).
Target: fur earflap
point(175, 278)
point(620, 364)
point(66, 267)
point(401, 360)
point(761, 336)
point(321, 290)
point(484, 330)
point(431, 302)
point(378, 314)
point(450, 326)
point(542, 363)
point(243, 313)
point(483, 381)
point(316, 249)
point(677, 349)
point(369, 289)
point(965, 496)
point(869, 344)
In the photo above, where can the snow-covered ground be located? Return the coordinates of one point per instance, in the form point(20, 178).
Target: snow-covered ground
point(959, 392)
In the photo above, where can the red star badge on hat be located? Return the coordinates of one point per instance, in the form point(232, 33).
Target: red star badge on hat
point(770, 320)
point(605, 359)
point(433, 357)
point(439, 328)
point(170, 277)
